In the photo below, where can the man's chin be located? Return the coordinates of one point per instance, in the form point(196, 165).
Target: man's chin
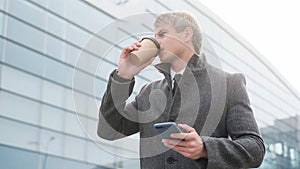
point(165, 58)
point(162, 59)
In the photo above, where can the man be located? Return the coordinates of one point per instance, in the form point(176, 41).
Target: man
point(210, 105)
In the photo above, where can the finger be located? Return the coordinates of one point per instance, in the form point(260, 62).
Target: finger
point(187, 152)
point(179, 135)
point(127, 50)
point(186, 128)
point(139, 44)
point(185, 136)
point(172, 142)
point(135, 46)
point(180, 143)
point(168, 144)
point(183, 149)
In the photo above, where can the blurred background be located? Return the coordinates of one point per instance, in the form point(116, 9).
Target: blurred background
point(48, 116)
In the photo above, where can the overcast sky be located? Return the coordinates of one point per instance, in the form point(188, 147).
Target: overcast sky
point(271, 26)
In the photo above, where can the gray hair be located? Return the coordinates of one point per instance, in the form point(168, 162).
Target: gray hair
point(181, 20)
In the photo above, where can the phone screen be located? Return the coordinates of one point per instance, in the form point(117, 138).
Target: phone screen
point(166, 129)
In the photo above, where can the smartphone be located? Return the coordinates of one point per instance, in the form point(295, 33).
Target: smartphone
point(166, 129)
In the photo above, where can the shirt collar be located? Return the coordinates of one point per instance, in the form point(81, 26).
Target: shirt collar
point(173, 73)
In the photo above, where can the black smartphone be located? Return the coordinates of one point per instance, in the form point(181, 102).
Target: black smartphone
point(166, 129)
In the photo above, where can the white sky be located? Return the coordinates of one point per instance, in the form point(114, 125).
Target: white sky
point(271, 26)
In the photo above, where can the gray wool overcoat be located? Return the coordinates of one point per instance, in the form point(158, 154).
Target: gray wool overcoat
point(208, 99)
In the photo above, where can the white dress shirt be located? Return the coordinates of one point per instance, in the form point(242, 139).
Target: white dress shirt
point(173, 73)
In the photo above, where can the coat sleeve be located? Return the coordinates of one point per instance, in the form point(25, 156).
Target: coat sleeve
point(115, 121)
point(245, 147)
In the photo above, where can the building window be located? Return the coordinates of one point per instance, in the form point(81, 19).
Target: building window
point(278, 148)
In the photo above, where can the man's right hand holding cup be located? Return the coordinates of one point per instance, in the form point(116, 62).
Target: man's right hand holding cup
point(142, 50)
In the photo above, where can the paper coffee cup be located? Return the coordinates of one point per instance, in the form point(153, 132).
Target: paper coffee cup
point(149, 49)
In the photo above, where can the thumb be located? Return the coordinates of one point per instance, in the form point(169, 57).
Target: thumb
point(186, 128)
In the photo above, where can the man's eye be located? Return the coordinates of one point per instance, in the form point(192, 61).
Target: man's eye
point(161, 33)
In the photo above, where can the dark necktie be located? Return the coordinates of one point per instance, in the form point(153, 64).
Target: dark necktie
point(176, 79)
point(176, 100)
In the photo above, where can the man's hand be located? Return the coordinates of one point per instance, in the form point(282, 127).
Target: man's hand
point(191, 146)
point(125, 68)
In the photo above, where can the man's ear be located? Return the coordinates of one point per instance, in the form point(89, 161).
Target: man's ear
point(188, 34)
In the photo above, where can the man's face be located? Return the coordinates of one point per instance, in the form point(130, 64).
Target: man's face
point(171, 43)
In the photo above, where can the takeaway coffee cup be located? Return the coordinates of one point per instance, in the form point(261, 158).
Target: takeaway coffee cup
point(149, 49)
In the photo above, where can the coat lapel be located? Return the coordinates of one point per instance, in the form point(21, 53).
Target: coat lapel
point(188, 106)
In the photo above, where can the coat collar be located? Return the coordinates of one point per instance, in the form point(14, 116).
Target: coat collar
point(196, 63)
point(194, 66)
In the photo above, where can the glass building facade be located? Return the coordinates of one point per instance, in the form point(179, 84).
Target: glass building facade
point(44, 47)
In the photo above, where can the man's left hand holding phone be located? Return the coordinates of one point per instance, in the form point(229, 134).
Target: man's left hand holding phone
point(188, 143)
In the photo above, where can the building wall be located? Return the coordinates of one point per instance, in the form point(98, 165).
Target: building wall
point(52, 79)
point(40, 44)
